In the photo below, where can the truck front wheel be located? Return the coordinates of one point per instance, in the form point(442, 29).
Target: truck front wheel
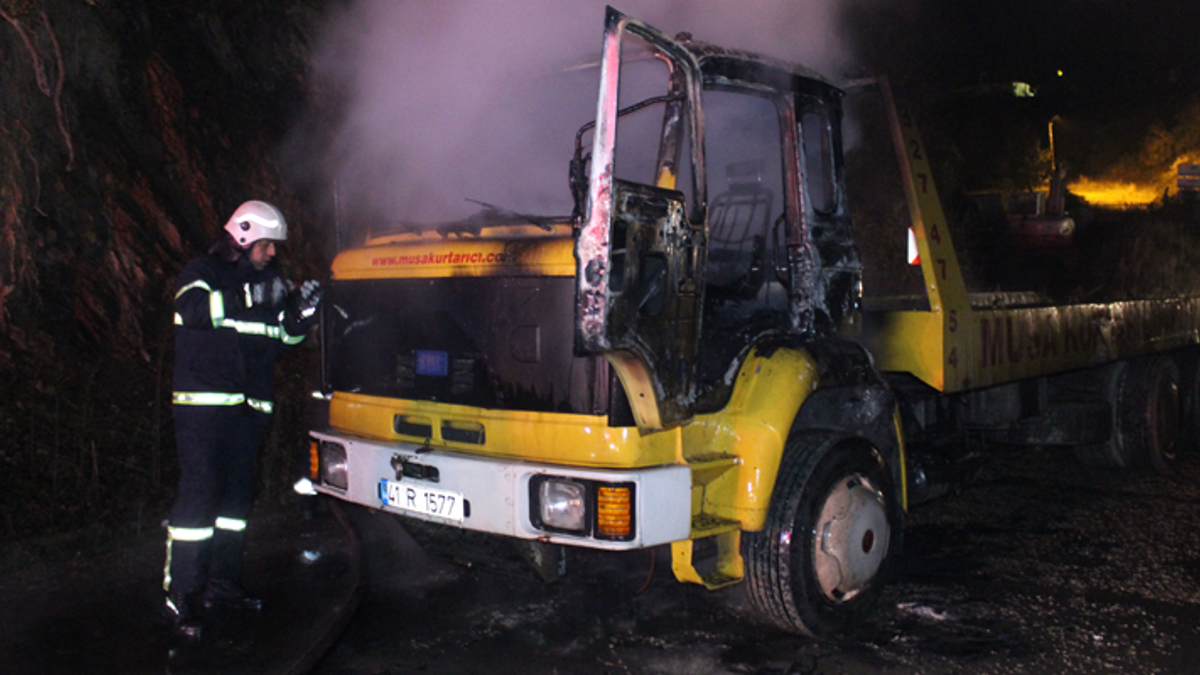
point(832, 532)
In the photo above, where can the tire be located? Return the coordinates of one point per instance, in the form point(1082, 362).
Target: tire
point(1146, 417)
point(1188, 362)
point(831, 537)
point(1157, 424)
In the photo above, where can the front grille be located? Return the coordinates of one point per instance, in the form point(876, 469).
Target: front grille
point(488, 342)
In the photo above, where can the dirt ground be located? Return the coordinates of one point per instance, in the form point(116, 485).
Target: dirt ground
point(1040, 567)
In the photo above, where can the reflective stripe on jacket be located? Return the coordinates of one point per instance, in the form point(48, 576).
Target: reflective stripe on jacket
point(225, 352)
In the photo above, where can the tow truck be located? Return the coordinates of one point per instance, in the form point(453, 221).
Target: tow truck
point(752, 343)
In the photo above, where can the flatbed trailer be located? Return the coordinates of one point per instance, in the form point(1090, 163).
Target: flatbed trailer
point(690, 359)
point(970, 341)
point(998, 353)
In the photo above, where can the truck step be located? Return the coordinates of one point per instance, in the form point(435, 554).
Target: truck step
point(713, 561)
point(715, 580)
point(707, 468)
point(706, 525)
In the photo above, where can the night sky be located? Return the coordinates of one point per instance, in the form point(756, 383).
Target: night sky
point(1127, 67)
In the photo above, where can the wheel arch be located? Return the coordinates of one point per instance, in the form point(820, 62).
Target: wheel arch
point(781, 390)
point(854, 399)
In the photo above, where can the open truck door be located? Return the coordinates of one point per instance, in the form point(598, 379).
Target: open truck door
point(641, 243)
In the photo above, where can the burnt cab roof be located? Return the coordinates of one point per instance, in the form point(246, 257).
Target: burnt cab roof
point(738, 67)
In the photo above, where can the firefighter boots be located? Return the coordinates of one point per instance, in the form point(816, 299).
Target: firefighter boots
point(177, 610)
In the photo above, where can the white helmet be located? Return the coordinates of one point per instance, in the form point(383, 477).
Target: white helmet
point(256, 220)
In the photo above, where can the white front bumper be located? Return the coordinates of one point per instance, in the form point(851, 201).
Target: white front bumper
point(498, 491)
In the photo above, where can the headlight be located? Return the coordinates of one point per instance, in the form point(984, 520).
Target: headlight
point(333, 465)
point(562, 505)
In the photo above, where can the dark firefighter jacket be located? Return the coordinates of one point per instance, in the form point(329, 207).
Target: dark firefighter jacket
point(225, 351)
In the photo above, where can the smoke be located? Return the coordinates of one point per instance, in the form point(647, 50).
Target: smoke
point(427, 104)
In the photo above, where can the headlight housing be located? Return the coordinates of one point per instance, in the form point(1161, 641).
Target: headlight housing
point(334, 472)
point(581, 507)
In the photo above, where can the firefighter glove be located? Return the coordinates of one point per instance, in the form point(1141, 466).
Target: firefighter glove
point(308, 299)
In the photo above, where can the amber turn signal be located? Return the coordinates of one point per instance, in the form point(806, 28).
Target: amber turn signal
point(613, 511)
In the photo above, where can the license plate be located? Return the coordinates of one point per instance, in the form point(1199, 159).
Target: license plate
point(422, 499)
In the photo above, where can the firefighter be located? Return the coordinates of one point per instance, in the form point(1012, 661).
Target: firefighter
point(233, 317)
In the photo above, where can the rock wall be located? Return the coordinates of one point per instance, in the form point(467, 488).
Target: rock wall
point(128, 132)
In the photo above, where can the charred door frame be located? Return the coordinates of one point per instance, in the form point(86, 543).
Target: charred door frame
point(640, 308)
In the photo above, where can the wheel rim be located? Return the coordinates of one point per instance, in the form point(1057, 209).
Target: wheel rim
point(851, 538)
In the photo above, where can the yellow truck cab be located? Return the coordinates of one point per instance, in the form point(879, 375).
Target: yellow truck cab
point(691, 358)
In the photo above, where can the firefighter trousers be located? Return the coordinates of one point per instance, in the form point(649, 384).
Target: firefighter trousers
point(218, 453)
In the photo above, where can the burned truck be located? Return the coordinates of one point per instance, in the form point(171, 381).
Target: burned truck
point(717, 352)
